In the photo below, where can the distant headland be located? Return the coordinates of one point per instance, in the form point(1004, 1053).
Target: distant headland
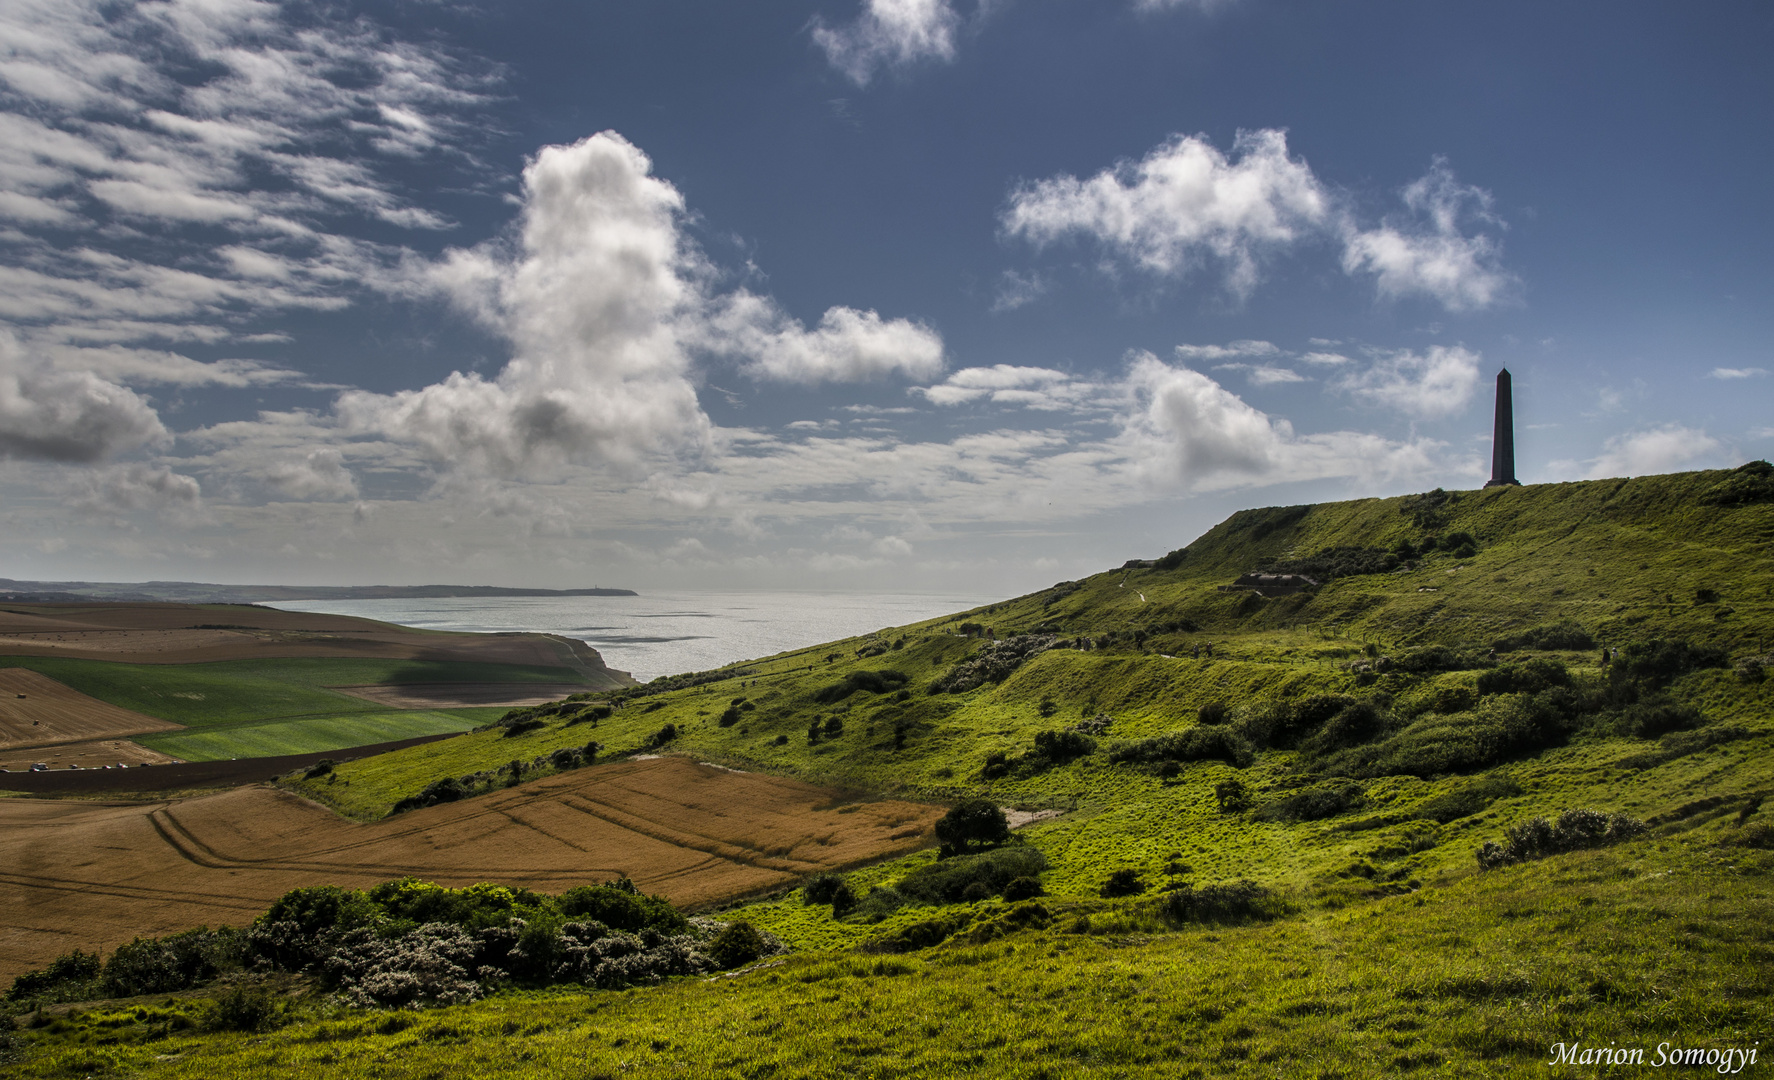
point(190, 592)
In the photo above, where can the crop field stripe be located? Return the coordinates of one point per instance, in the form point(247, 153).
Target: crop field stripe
point(708, 845)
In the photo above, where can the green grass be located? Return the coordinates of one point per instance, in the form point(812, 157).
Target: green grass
point(1399, 957)
point(1669, 939)
point(249, 691)
point(312, 735)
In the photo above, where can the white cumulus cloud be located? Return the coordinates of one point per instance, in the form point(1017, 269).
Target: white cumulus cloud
point(68, 416)
point(1439, 382)
point(1428, 253)
point(1669, 448)
point(890, 33)
point(592, 303)
point(1183, 205)
point(847, 346)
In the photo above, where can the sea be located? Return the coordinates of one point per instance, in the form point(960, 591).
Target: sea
point(666, 633)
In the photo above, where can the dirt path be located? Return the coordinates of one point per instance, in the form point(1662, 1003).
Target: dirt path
point(93, 875)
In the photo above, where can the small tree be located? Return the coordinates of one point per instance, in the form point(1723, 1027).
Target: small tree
point(1233, 796)
point(973, 823)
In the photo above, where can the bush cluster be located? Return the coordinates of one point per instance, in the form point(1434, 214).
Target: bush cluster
point(1566, 635)
point(1226, 902)
point(1190, 744)
point(875, 682)
point(1575, 830)
point(1052, 748)
point(1313, 804)
point(1748, 484)
point(1335, 562)
point(993, 663)
point(413, 943)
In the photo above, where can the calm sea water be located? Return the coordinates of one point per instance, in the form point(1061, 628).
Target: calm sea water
point(664, 633)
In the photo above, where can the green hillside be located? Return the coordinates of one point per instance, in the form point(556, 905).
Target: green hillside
point(1263, 814)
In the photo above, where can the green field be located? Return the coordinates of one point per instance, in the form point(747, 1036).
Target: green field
point(1396, 954)
point(310, 735)
point(245, 691)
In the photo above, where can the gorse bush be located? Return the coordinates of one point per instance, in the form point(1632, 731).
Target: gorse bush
point(177, 962)
point(994, 662)
point(1565, 635)
point(874, 682)
point(1227, 902)
point(973, 823)
point(1190, 744)
point(1575, 830)
point(1313, 804)
point(944, 882)
point(70, 975)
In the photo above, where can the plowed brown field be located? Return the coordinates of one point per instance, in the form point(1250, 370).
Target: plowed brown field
point(191, 633)
point(35, 710)
point(93, 875)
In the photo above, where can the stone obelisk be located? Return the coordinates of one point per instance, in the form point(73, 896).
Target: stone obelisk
point(1503, 437)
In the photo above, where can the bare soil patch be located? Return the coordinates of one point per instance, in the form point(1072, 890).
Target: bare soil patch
point(93, 875)
point(195, 633)
point(36, 710)
point(461, 695)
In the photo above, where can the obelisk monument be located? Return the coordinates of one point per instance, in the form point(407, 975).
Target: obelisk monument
point(1503, 437)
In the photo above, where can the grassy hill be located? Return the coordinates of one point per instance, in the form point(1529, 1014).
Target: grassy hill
point(1346, 750)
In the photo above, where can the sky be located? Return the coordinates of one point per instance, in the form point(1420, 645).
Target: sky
point(908, 295)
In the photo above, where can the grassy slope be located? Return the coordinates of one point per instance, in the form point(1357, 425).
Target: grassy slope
point(1467, 973)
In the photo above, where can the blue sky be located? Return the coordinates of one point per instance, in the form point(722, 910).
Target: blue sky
point(913, 294)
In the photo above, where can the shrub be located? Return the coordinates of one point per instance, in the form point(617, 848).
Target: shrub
point(975, 892)
point(1282, 724)
point(1172, 560)
point(731, 716)
point(1657, 663)
point(1353, 725)
point(1233, 901)
point(974, 822)
point(1467, 799)
point(843, 900)
point(621, 906)
point(1313, 804)
point(1529, 677)
point(738, 944)
point(993, 663)
point(593, 714)
point(1232, 796)
point(663, 735)
point(176, 962)
point(1748, 484)
point(1500, 728)
point(522, 727)
point(449, 789)
point(1565, 635)
point(1213, 714)
point(567, 757)
point(1575, 830)
point(319, 769)
point(1023, 888)
point(944, 882)
point(1059, 747)
point(68, 974)
point(820, 888)
point(882, 901)
point(1335, 562)
point(1190, 744)
point(1659, 716)
point(243, 1008)
point(428, 966)
point(875, 682)
point(1123, 882)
